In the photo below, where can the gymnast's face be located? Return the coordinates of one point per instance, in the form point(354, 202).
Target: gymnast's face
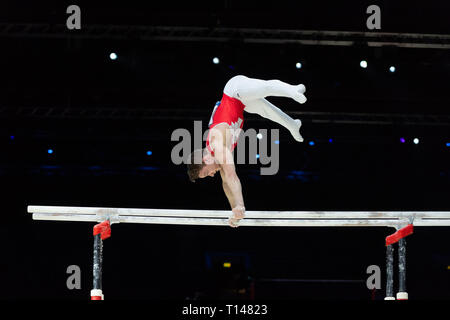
point(210, 167)
point(208, 170)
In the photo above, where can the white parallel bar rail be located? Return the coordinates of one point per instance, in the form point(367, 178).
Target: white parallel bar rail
point(395, 219)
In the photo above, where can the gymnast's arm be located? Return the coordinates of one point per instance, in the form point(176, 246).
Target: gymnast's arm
point(230, 181)
point(227, 190)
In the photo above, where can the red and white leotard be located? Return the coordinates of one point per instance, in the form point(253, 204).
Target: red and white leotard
point(231, 111)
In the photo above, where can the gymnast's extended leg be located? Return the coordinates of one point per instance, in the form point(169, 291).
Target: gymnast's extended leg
point(246, 89)
point(267, 110)
point(253, 91)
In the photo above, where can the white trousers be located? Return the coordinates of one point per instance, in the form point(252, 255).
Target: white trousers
point(251, 92)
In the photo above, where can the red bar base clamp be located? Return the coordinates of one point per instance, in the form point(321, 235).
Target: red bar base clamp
point(104, 229)
point(400, 234)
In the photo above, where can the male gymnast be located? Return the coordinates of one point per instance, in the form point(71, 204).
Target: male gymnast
point(240, 94)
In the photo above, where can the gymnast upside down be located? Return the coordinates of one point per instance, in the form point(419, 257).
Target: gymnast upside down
point(240, 94)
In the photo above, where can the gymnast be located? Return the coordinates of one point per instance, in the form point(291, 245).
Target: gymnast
point(240, 94)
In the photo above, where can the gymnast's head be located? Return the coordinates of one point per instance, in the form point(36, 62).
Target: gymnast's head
point(201, 164)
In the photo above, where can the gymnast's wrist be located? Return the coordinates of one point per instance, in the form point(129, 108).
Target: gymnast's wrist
point(239, 209)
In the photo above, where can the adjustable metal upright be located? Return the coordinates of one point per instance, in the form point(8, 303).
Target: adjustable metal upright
point(399, 237)
point(102, 231)
point(402, 294)
point(389, 273)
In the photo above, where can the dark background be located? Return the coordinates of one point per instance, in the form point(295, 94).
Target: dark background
point(60, 91)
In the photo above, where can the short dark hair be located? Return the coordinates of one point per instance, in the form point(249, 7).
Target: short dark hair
point(195, 164)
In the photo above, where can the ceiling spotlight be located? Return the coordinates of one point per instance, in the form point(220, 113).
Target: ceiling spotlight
point(416, 141)
point(363, 64)
point(113, 56)
point(392, 69)
point(216, 60)
point(298, 65)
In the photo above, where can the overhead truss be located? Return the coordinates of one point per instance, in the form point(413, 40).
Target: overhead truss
point(220, 34)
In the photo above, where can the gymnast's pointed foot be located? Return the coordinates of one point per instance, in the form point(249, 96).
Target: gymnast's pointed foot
point(296, 130)
point(301, 88)
point(299, 94)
